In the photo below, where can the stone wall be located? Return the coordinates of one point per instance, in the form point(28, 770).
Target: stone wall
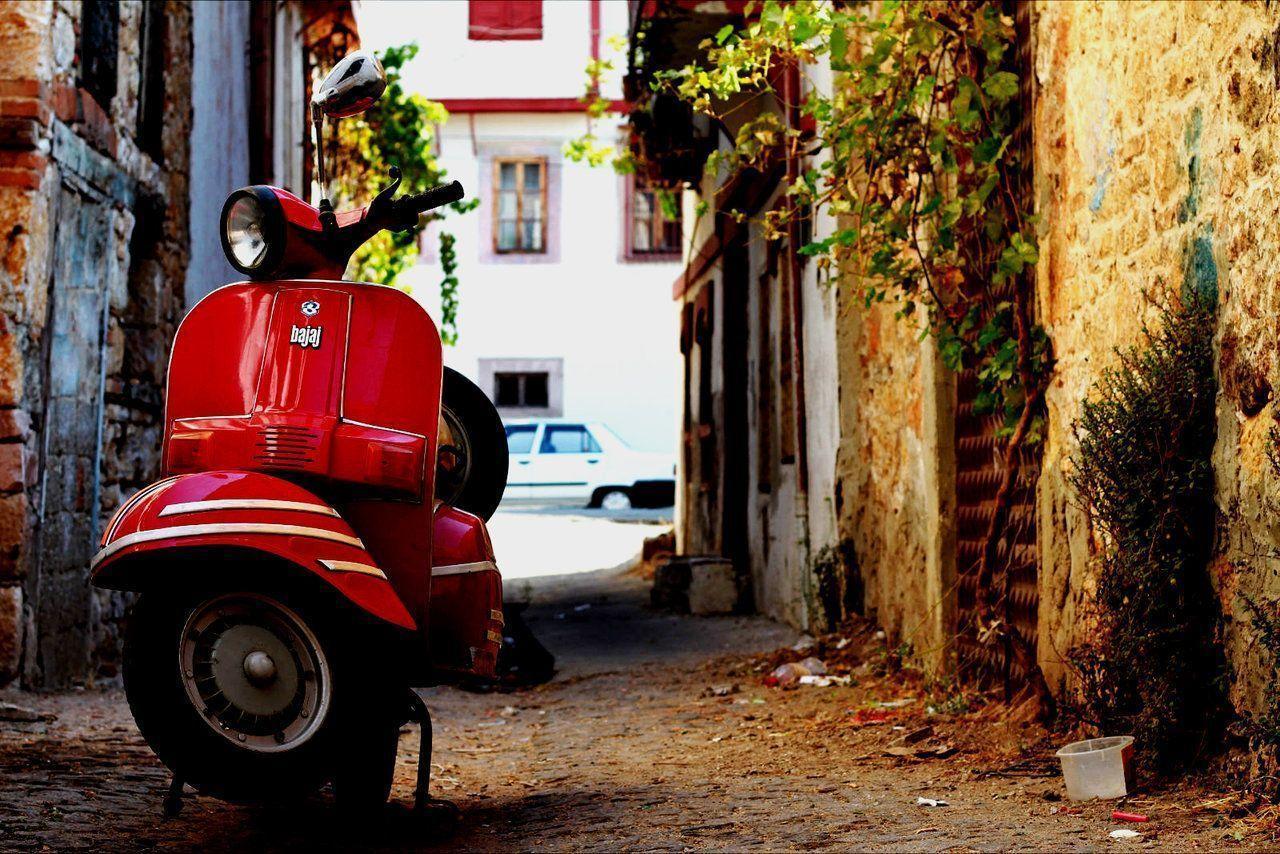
point(1156, 140)
point(90, 291)
point(895, 475)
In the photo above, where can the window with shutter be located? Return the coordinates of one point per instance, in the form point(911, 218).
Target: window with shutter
point(505, 20)
point(650, 233)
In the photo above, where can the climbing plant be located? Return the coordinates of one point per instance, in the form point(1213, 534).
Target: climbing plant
point(918, 161)
point(914, 152)
point(399, 130)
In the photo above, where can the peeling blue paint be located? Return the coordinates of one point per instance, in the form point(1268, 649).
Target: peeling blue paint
point(1199, 269)
point(1100, 183)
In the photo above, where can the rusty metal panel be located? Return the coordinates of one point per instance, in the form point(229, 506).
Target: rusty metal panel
point(979, 469)
point(980, 461)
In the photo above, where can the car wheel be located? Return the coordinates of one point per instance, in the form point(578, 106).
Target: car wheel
point(615, 499)
point(472, 460)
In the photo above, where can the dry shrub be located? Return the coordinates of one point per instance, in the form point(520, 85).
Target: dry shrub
point(1144, 474)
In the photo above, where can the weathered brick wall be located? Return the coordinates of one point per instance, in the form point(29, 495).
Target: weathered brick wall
point(1156, 161)
point(90, 292)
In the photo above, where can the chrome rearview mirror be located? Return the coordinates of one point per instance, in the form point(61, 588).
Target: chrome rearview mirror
point(354, 85)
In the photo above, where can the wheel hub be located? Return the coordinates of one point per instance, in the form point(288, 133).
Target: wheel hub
point(453, 456)
point(260, 668)
point(254, 671)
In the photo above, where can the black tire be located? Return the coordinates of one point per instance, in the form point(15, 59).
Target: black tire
point(471, 473)
point(366, 769)
point(188, 744)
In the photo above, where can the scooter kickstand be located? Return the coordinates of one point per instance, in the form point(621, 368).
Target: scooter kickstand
point(172, 804)
point(423, 803)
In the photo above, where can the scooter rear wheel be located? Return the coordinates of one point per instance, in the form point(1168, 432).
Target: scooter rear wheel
point(472, 461)
point(243, 696)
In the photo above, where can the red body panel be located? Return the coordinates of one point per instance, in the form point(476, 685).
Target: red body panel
point(333, 383)
point(350, 392)
point(243, 510)
point(466, 596)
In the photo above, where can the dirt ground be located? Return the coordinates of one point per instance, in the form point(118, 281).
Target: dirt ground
point(658, 733)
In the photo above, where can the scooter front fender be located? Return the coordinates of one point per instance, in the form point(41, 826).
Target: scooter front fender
point(195, 514)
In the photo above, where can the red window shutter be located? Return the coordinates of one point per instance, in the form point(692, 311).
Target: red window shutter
point(505, 20)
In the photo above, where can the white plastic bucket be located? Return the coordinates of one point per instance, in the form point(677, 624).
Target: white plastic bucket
point(1098, 767)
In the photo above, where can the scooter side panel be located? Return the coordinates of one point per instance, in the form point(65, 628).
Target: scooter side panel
point(465, 623)
point(241, 510)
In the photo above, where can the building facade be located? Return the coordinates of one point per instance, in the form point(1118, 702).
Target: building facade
point(122, 128)
point(564, 268)
point(832, 456)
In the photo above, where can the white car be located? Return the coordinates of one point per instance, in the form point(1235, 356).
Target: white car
point(567, 460)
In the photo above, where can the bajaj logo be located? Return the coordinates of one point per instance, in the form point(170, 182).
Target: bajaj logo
point(306, 336)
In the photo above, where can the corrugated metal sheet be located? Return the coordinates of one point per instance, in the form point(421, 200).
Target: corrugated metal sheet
point(979, 468)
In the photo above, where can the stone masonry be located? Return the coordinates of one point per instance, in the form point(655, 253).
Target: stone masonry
point(93, 190)
point(1156, 133)
point(1156, 130)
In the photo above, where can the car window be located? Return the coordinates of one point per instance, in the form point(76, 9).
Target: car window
point(568, 439)
point(520, 438)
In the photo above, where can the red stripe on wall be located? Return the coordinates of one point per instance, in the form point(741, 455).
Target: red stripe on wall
point(524, 105)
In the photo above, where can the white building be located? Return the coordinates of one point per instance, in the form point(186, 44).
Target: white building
point(566, 270)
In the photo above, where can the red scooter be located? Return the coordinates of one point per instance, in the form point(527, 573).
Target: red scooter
point(316, 546)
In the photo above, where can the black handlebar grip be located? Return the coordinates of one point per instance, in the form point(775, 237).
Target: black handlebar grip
point(434, 198)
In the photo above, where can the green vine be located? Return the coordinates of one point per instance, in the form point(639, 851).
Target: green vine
point(587, 148)
point(913, 152)
point(920, 166)
point(399, 130)
point(448, 289)
point(918, 163)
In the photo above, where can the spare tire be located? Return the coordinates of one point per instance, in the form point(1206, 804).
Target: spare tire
point(471, 460)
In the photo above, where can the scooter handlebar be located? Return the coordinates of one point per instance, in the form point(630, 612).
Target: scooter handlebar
point(391, 213)
point(436, 197)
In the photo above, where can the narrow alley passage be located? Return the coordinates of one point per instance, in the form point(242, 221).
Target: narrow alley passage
point(657, 733)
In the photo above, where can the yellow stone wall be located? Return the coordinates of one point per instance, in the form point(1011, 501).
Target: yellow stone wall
point(1157, 158)
point(894, 490)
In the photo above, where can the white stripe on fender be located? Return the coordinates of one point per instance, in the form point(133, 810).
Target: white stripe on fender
point(464, 568)
point(223, 529)
point(128, 504)
point(247, 504)
point(351, 566)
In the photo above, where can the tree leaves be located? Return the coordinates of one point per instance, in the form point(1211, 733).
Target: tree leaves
point(1001, 86)
point(399, 130)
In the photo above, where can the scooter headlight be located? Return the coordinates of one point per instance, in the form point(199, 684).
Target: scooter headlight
point(253, 231)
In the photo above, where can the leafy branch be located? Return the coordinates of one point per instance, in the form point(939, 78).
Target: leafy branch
point(400, 130)
point(921, 168)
